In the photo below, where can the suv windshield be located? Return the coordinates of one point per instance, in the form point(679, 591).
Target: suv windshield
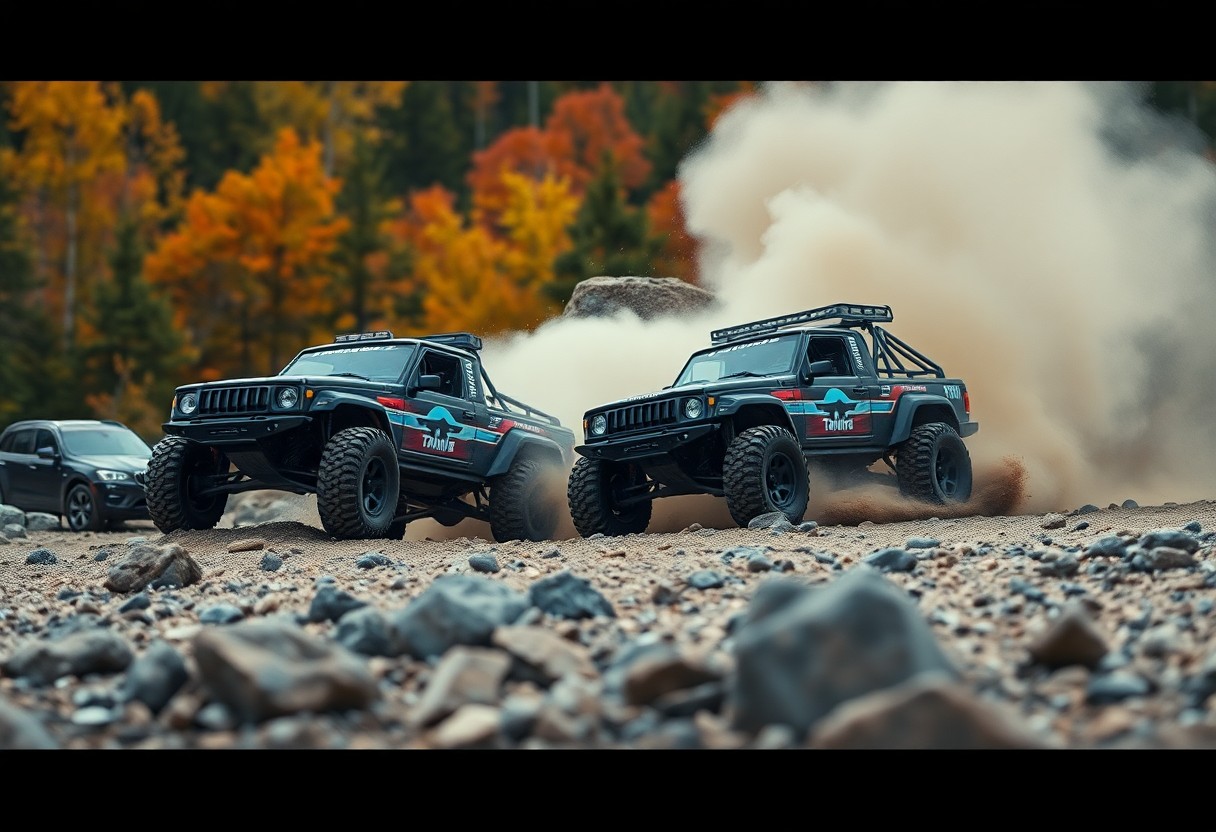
point(769, 357)
point(375, 362)
point(104, 442)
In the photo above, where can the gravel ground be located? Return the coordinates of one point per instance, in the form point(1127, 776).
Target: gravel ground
point(1087, 629)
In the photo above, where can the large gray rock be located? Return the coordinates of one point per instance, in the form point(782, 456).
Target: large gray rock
point(646, 297)
point(803, 651)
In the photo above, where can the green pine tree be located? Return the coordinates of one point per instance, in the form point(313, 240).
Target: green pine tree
point(137, 353)
point(423, 143)
point(610, 237)
point(34, 377)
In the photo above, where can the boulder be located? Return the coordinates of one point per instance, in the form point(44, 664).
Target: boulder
point(646, 297)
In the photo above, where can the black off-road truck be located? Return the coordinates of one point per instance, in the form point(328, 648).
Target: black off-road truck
point(747, 417)
point(383, 430)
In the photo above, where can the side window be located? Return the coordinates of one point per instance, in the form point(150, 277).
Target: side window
point(45, 439)
point(831, 349)
point(21, 442)
point(447, 367)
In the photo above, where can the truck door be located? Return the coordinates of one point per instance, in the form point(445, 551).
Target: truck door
point(440, 423)
point(837, 403)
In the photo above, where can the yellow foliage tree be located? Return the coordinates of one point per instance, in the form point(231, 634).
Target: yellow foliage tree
point(72, 138)
point(481, 282)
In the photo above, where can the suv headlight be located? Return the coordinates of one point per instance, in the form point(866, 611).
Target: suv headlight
point(693, 408)
point(188, 404)
point(110, 476)
point(287, 397)
point(599, 424)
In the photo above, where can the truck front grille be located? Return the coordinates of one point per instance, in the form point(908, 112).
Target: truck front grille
point(641, 416)
point(222, 401)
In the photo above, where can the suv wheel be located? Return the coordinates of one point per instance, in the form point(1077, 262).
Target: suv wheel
point(357, 483)
point(173, 478)
point(933, 465)
point(81, 510)
point(764, 471)
point(594, 490)
point(524, 501)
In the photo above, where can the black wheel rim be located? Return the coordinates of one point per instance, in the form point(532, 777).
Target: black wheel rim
point(375, 487)
point(781, 481)
point(945, 469)
point(80, 508)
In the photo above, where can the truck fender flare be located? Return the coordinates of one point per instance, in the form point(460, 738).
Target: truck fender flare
point(516, 441)
point(907, 407)
point(328, 401)
point(732, 405)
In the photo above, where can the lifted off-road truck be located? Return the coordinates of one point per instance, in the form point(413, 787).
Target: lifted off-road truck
point(383, 430)
point(747, 417)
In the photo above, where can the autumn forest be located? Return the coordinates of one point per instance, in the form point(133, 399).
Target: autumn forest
point(154, 233)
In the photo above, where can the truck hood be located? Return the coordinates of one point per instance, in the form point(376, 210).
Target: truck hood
point(286, 381)
point(739, 384)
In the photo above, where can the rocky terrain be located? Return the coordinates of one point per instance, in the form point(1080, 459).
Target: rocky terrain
point(1086, 630)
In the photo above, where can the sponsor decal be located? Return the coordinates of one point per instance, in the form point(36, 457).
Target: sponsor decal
point(470, 376)
point(341, 350)
point(739, 347)
point(438, 432)
point(910, 388)
point(861, 366)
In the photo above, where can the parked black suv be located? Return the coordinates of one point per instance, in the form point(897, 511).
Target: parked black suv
point(83, 469)
point(747, 415)
point(384, 430)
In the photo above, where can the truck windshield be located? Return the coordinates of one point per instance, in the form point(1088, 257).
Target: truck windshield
point(374, 362)
point(767, 357)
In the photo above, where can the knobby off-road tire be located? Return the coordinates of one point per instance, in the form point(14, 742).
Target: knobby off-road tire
point(765, 471)
point(592, 492)
point(171, 483)
point(81, 510)
point(523, 505)
point(358, 483)
point(933, 465)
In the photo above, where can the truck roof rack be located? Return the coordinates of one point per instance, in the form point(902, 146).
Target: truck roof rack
point(463, 340)
point(849, 314)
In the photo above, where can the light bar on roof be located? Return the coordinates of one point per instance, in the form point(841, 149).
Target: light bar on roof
point(378, 335)
point(848, 313)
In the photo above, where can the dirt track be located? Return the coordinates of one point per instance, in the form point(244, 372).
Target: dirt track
point(987, 587)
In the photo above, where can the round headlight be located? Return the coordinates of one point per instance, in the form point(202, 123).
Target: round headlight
point(288, 397)
point(692, 408)
point(188, 404)
point(599, 424)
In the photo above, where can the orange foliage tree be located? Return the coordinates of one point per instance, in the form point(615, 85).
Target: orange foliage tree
point(581, 129)
point(251, 260)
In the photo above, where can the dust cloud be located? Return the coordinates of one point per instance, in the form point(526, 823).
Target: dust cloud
point(1047, 242)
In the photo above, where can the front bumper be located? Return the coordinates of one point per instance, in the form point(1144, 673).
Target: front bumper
point(233, 431)
point(121, 500)
point(643, 445)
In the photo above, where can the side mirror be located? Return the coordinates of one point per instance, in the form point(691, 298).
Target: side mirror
point(47, 453)
point(429, 382)
point(818, 368)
